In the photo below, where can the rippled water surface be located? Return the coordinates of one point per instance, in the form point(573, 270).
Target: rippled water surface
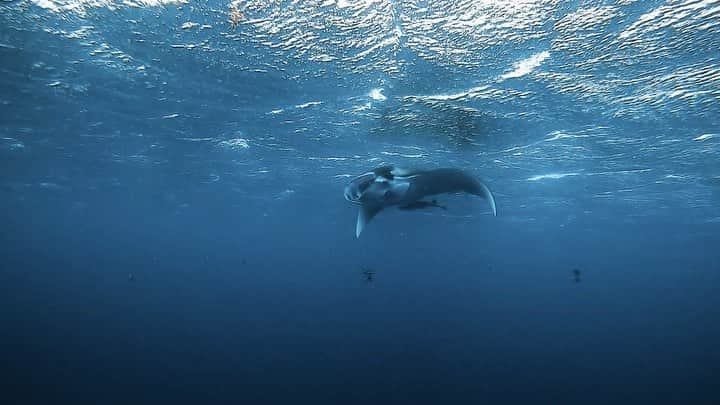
point(171, 179)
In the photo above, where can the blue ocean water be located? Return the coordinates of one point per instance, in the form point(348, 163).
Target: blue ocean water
point(173, 227)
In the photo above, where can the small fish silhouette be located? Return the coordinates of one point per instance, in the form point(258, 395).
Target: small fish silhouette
point(369, 274)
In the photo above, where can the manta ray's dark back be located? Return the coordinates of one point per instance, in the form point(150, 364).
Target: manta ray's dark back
point(446, 180)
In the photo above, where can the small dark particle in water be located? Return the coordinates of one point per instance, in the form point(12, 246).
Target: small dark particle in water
point(243, 262)
point(131, 277)
point(576, 275)
point(369, 274)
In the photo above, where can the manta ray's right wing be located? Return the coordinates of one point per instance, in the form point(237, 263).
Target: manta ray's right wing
point(365, 214)
point(449, 180)
point(487, 194)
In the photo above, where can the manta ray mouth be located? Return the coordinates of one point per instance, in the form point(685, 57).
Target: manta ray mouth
point(354, 191)
point(352, 197)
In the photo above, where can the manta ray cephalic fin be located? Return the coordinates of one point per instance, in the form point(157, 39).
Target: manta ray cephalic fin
point(365, 214)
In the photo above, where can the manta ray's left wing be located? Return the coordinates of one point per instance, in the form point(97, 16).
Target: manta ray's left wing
point(365, 214)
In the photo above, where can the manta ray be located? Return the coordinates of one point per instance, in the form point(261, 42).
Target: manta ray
point(389, 186)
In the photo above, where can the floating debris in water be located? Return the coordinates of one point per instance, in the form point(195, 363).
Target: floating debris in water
point(236, 143)
point(576, 275)
point(376, 94)
point(188, 25)
point(236, 14)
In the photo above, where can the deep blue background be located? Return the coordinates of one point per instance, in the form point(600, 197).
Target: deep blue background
point(147, 260)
